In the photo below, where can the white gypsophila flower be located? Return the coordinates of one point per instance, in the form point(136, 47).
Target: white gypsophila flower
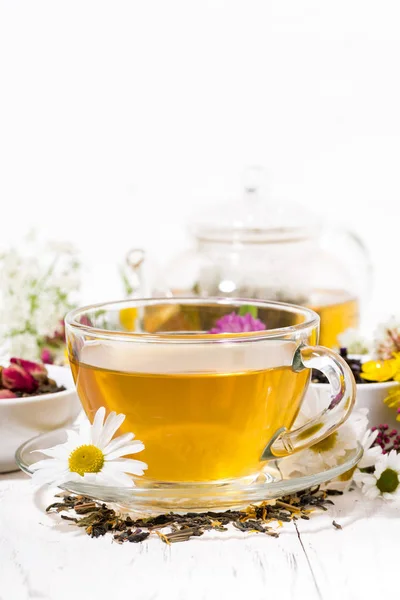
point(47, 315)
point(92, 456)
point(332, 450)
point(58, 247)
point(37, 287)
point(384, 481)
point(14, 313)
point(24, 345)
point(354, 342)
point(66, 281)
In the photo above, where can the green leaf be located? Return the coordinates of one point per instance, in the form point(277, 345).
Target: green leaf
point(248, 308)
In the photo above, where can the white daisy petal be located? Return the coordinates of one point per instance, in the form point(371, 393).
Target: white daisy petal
point(361, 478)
point(45, 476)
point(369, 457)
point(133, 448)
point(46, 463)
point(119, 441)
point(62, 478)
point(72, 476)
point(97, 426)
point(89, 478)
point(371, 493)
point(396, 493)
point(60, 452)
point(380, 466)
point(393, 461)
point(388, 495)
point(50, 476)
point(110, 476)
point(112, 424)
point(73, 438)
point(85, 432)
point(369, 438)
point(128, 465)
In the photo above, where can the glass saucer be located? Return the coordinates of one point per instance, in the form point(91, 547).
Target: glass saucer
point(151, 497)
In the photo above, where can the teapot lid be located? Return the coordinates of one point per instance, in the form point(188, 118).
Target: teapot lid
point(256, 218)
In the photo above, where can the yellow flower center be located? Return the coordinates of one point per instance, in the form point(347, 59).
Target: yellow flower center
point(388, 481)
point(325, 445)
point(86, 459)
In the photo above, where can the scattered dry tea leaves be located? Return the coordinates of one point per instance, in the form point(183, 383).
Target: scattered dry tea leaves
point(97, 519)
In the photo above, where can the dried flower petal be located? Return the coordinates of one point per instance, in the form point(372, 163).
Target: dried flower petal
point(37, 370)
point(16, 378)
point(7, 394)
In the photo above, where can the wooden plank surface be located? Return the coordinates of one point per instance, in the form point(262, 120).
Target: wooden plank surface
point(44, 558)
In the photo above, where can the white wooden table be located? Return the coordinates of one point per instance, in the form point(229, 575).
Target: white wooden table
point(44, 558)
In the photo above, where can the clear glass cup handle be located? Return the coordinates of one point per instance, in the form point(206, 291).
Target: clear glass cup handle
point(343, 395)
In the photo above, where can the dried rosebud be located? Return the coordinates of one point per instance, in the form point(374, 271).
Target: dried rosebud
point(16, 378)
point(46, 356)
point(7, 394)
point(37, 370)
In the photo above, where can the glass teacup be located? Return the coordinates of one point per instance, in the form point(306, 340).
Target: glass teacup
point(209, 406)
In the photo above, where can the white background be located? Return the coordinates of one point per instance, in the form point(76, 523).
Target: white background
point(118, 119)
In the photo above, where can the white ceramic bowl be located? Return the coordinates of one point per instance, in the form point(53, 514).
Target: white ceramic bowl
point(23, 418)
point(371, 396)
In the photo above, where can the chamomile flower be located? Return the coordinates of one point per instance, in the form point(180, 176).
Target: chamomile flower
point(368, 459)
point(353, 341)
point(333, 449)
point(371, 453)
point(92, 456)
point(384, 481)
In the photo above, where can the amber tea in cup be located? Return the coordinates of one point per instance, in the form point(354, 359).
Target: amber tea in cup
point(208, 407)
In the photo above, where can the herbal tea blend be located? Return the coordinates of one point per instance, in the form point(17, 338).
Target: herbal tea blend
point(97, 519)
point(23, 378)
point(193, 411)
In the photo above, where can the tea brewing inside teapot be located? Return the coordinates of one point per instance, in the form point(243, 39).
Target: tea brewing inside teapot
point(271, 249)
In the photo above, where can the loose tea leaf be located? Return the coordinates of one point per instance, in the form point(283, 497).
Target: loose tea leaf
point(355, 366)
point(98, 519)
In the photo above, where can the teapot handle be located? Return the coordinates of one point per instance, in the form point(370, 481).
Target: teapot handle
point(144, 279)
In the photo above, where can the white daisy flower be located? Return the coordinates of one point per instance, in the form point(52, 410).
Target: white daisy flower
point(92, 456)
point(332, 450)
point(370, 455)
point(384, 481)
point(369, 458)
point(354, 342)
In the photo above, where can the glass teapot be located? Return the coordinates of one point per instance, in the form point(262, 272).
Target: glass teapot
point(268, 250)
